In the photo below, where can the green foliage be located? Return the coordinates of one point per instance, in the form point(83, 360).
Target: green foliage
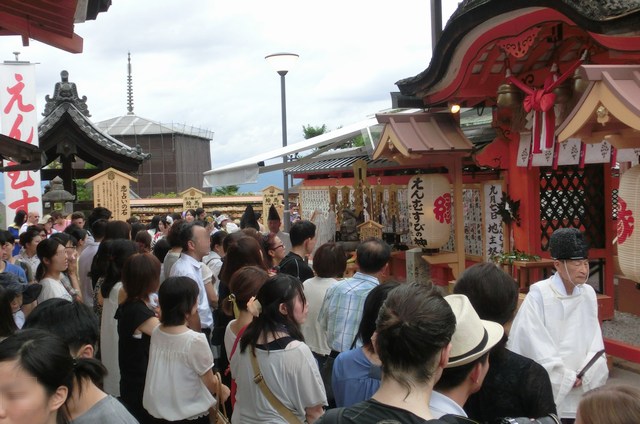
point(507, 258)
point(310, 131)
point(170, 195)
point(230, 190)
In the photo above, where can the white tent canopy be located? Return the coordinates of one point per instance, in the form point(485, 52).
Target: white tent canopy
point(247, 170)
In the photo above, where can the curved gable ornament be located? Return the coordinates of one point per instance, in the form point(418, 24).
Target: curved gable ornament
point(65, 92)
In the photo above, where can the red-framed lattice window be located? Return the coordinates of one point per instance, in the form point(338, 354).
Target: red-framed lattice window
point(573, 197)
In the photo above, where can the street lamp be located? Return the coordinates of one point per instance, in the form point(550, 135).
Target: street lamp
point(282, 63)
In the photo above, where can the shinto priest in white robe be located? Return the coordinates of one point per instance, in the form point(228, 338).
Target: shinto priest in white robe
point(562, 333)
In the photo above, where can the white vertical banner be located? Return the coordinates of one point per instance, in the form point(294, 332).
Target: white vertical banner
point(493, 229)
point(19, 120)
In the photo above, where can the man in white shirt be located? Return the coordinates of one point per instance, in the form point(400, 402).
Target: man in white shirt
point(557, 324)
point(32, 219)
point(468, 362)
point(194, 239)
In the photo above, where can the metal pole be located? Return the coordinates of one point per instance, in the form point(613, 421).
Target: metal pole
point(436, 22)
point(285, 180)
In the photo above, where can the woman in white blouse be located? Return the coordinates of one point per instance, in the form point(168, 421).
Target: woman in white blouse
point(53, 260)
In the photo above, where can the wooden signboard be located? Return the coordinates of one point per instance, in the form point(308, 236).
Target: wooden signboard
point(111, 191)
point(272, 195)
point(191, 198)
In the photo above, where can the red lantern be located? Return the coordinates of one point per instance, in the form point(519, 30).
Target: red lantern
point(429, 199)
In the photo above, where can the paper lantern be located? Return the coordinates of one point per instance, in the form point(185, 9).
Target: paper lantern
point(628, 238)
point(429, 198)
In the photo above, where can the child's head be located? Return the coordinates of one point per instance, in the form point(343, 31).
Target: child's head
point(178, 297)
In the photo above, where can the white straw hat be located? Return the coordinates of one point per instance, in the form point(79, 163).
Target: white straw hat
point(473, 336)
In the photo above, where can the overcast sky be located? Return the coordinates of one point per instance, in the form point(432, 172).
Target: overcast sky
point(201, 63)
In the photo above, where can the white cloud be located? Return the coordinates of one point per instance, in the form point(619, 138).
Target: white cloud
point(202, 63)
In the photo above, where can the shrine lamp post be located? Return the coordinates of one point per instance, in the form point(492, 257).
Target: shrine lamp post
point(282, 63)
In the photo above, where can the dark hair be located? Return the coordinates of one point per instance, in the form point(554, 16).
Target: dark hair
point(414, 324)
point(118, 251)
point(267, 244)
point(99, 229)
point(192, 212)
point(28, 236)
point(244, 252)
point(177, 296)
point(372, 255)
point(492, 292)
point(117, 230)
point(300, 231)
point(454, 376)
point(77, 215)
point(174, 232)
point(217, 239)
point(232, 239)
point(100, 261)
point(7, 323)
point(143, 238)
point(20, 217)
point(330, 261)
point(186, 235)
point(160, 249)
point(140, 276)
point(47, 248)
point(244, 284)
point(199, 211)
point(44, 356)
point(76, 232)
point(370, 312)
point(56, 214)
point(64, 238)
point(73, 322)
point(6, 237)
point(96, 214)
point(137, 227)
point(281, 288)
point(155, 222)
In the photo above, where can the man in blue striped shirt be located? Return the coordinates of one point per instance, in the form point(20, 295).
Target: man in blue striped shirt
point(343, 304)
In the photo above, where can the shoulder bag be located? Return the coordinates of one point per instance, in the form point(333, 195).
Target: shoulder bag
point(273, 400)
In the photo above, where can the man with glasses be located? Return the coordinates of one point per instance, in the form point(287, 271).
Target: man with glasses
point(557, 324)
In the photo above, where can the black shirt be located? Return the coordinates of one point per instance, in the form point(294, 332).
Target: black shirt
point(293, 264)
point(515, 386)
point(373, 412)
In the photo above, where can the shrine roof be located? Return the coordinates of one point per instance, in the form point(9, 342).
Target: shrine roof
point(340, 164)
point(131, 125)
point(470, 60)
point(416, 136)
point(48, 124)
point(50, 22)
point(609, 110)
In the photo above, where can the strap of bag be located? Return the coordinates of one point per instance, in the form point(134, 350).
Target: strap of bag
point(220, 404)
point(273, 400)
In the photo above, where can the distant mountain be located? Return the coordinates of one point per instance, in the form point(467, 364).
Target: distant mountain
point(264, 180)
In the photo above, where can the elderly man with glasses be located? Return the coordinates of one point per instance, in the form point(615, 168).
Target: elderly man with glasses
point(557, 325)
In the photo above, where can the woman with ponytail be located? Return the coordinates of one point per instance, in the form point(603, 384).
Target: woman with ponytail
point(273, 341)
point(77, 326)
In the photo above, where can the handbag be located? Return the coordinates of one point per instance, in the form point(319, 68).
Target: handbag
point(273, 400)
point(220, 417)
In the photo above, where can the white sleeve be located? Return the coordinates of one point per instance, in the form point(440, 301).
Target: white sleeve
point(529, 337)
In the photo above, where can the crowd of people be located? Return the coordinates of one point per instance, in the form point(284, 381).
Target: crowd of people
point(107, 321)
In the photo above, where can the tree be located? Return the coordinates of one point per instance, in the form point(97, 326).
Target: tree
point(311, 131)
point(230, 190)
